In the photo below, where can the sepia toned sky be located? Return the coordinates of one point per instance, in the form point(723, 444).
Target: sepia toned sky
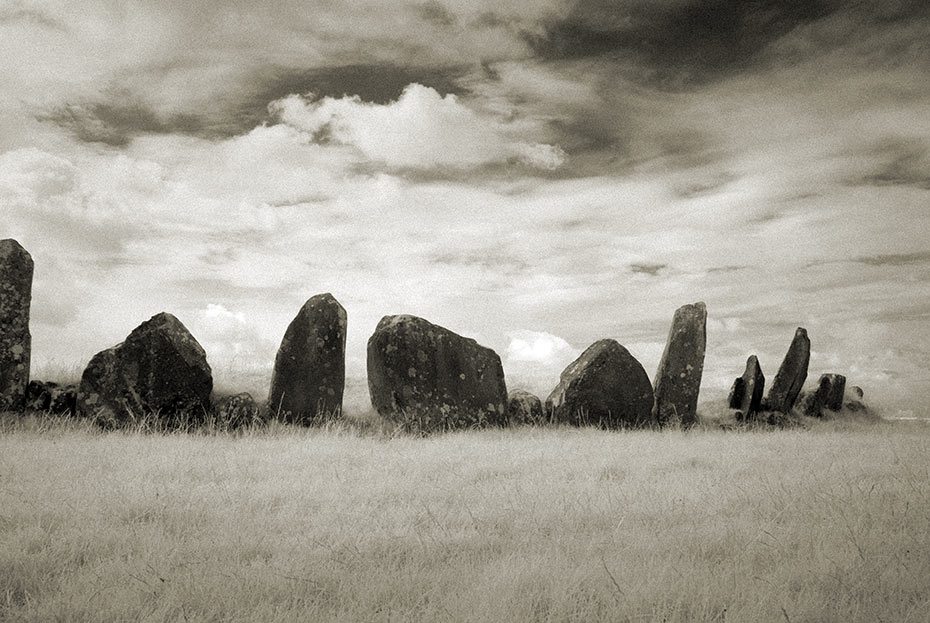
point(535, 174)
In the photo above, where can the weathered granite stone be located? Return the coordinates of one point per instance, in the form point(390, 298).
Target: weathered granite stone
point(427, 378)
point(525, 408)
point(678, 379)
point(15, 341)
point(51, 397)
point(237, 411)
point(828, 395)
point(309, 375)
point(606, 387)
point(158, 373)
point(746, 393)
point(790, 378)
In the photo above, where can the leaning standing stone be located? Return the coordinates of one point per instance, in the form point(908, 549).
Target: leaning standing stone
point(525, 408)
point(606, 387)
point(746, 394)
point(678, 380)
point(159, 374)
point(791, 375)
point(15, 341)
point(310, 368)
point(427, 378)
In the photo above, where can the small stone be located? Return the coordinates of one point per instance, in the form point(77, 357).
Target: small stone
point(525, 408)
point(746, 394)
point(828, 395)
point(237, 411)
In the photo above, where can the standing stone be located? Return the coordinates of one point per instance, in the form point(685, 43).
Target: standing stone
point(678, 380)
point(427, 378)
point(606, 387)
point(828, 395)
point(791, 375)
point(159, 373)
point(834, 401)
point(746, 394)
point(525, 408)
point(309, 375)
point(15, 341)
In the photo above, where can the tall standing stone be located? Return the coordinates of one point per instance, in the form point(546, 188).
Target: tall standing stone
point(15, 341)
point(747, 391)
point(606, 387)
point(158, 374)
point(678, 379)
point(790, 378)
point(426, 378)
point(309, 375)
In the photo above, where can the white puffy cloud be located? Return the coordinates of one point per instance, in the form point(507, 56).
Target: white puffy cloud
point(422, 129)
point(538, 347)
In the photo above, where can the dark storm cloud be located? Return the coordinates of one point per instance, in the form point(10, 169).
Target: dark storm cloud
point(691, 42)
point(121, 116)
point(677, 43)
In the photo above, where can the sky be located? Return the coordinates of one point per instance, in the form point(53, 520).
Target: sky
point(535, 174)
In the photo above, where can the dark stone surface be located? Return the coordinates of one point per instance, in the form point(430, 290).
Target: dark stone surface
point(51, 397)
point(836, 393)
point(746, 393)
point(784, 391)
point(525, 408)
point(426, 378)
point(606, 387)
point(828, 395)
point(15, 340)
point(309, 375)
point(678, 379)
point(158, 373)
point(237, 411)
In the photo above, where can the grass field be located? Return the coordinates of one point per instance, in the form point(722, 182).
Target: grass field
point(826, 524)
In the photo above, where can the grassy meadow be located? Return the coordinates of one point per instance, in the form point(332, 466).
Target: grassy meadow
point(828, 523)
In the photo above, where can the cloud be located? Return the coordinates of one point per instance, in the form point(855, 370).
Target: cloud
point(422, 129)
point(538, 347)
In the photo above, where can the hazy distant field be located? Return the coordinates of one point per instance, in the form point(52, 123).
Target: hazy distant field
point(828, 524)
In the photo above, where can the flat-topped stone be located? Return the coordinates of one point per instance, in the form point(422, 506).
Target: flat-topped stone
point(427, 378)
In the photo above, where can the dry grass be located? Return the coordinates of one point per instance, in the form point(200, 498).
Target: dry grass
point(285, 524)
